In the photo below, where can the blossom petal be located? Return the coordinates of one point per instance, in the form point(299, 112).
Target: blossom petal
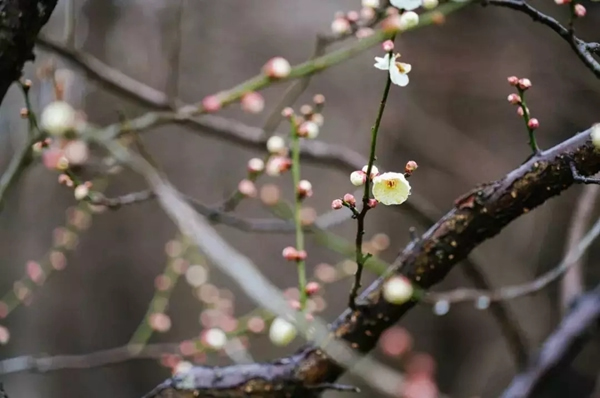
point(382, 63)
point(407, 5)
point(397, 77)
point(391, 188)
point(407, 67)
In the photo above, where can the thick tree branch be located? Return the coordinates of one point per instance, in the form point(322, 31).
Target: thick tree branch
point(478, 216)
point(20, 23)
point(560, 349)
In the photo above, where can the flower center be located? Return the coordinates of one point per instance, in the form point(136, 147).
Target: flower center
point(400, 67)
point(391, 183)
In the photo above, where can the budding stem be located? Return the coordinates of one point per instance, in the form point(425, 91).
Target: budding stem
point(295, 148)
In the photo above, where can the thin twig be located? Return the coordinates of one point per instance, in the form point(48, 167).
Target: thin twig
point(572, 282)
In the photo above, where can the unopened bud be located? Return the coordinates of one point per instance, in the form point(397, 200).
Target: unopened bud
point(358, 178)
point(350, 199)
point(580, 10)
point(253, 102)
point(211, 103)
point(372, 203)
point(387, 46)
point(81, 192)
point(304, 189)
point(312, 288)
point(256, 165)
point(397, 290)
point(247, 188)
point(308, 129)
point(276, 145)
point(411, 166)
point(533, 123)
point(282, 332)
point(524, 84)
point(409, 20)
point(514, 99)
point(374, 170)
point(339, 26)
point(290, 253)
point(277, 68)
point(337, 204)
point(513, 80)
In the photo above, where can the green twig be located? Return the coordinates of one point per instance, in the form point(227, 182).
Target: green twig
point(295, 148)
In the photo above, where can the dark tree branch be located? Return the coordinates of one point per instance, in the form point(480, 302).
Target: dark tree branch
point(560, 349)
point(480, 215)
point(585, 51)
point(20, 23)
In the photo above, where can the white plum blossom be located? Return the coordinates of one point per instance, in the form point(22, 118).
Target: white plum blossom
point(391, 188)
point(58, 118)
point(407, 5)
point(398, 70)
point(282, 332)
point(397, 290)
point(409, 20)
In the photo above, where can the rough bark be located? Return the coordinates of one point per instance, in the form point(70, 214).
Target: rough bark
point(20, 23)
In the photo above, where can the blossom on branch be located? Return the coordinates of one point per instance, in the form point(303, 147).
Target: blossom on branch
point(391, 188)
point(398, 70)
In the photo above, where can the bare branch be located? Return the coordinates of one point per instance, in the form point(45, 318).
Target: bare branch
point(559, 349)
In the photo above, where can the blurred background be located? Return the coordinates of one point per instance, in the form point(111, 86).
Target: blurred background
point(453, 119)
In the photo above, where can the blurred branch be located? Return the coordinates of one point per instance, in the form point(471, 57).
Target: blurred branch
point(560, 349)
point(20, 23)
point(585, 51)
point(572, 283)
point(477, 217)
point(512, 292)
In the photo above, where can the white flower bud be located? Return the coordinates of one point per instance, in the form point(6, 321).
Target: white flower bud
point(308, 129)
point(409, 20)
point(397, 290)
point(256, 165)
point(275, 144)
point(282, 332)
point(358, 178)
point(81, 192)
point(58, 118)
point(374, 170)
point(340, 26)
point(215, 338)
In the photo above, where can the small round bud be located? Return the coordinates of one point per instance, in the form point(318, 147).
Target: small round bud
point(304, 189)
point(340, 26)
point(337, 204)
point(24, 113)
point(276, 165)
point(350, 199)
point(64, 179)
point(370, 3)
point(58, 118)
point(253, 102)
point(295, 304)
point(306, 110)
point(277, 68)
point(301, 255)
point(524, 84)
point(595, 135)
point(37, 147)
point(409, 20)
point(317, 118)
point(367, 13)
point(27, 83)
point(290, 253)
point(214, 338)
point(276, 145)
point(77, 152)
point(81, 192)
point(392, 24)
point(387, 46)
point(312, 288)
point(256, 165)
point(533, 123)
point(411, 166)
point(282, 332)
point(352, 16)
point(308, 129)
point(319, 99)
point(438, 18)
point(430, 4)
point(358, 178)
point(520, 111)
point(247, 188)
point(374, 170)
point(62, 163)
point(514, 99)
point(580, 10)
point(211, 103)
point(513, 80)
point(397, 290)
point(372, 203)
point(287, 112)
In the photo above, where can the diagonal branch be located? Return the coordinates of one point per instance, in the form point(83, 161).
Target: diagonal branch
point(477, 217)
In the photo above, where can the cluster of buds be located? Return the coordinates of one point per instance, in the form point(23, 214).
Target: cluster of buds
point(354, 22)
point(290, 253)
point(522, 85)
point(308, 123)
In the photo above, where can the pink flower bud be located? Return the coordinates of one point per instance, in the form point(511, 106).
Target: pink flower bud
point(411, 166)
point(387, 45)
point(308, 129)
point(304, 189)
point(353, 16)
point(247, 188)
point(524, 84)
point(580, 10)
point(350, 199)
point(319, 99)
point(364, 32)
point(312, 288)
point(339, 26)
point(513, 80)
point(520, 111)
point(211, 104)
point(372, 203)
point(253, 102)
point(514, 99)
point(290, 253)
point(277, 68)
point(367, 13)
point(358, 178)
point(301, 255)
point(287, 112)
point(392, 24)
point(337, 204)
point(64, 179)
point(533, 123)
